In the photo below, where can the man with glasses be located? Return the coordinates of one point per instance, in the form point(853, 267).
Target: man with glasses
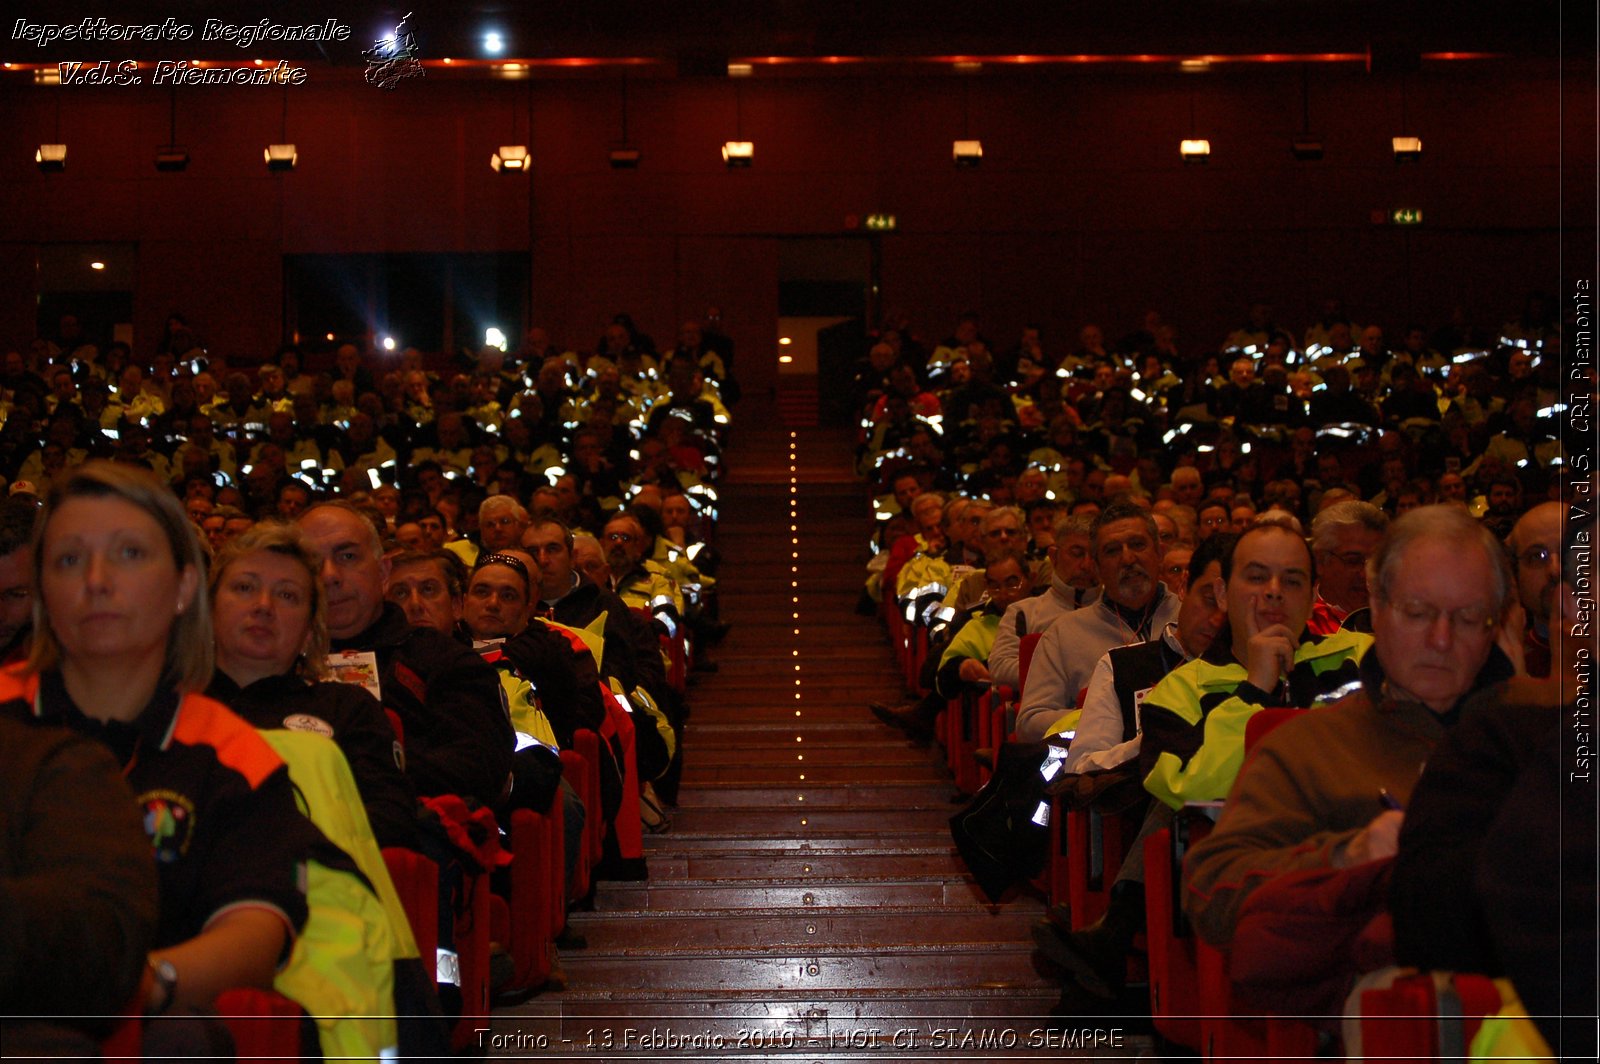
point(1072, 584)
point(1343, 537)
point(1003, 532)
point(640, 583)
point(551, 688)
point(1535, 545)
point(963, 661)
point(501, 522)
point(1328, 789)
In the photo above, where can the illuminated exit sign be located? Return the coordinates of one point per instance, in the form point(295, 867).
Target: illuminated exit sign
point(881, 222)
point(1405, 216)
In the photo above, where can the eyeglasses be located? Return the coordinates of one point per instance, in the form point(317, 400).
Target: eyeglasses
point(1467, 620)
point(1536, 556)
point(1352, 558)
point(620, 537)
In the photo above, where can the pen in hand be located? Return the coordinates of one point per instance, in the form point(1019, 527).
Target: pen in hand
point(1389, 801)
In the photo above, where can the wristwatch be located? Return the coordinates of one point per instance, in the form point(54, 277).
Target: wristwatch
point(165, 976)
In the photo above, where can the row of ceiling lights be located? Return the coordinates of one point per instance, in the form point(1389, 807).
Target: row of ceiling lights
point(736, 154)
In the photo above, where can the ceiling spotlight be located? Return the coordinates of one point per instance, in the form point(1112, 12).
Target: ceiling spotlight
point(967, 153)
point(281, 156)
point(97, 265)
point(624, 158)
point(1195, 151)
point(1407, 149)
point(170, 159)
point(493, 43)
point(738, 153)
point(388, 343)
point(1306, 148)
point(52, 158)
point(511, 158)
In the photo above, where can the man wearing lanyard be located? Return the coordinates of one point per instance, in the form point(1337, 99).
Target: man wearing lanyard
point(1126, 550)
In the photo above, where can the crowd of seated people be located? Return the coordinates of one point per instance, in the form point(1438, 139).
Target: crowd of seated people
point(371, 580)
point(1367, 531)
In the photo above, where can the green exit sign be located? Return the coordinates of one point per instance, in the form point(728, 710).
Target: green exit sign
point(881, 222)
point(1405, 216)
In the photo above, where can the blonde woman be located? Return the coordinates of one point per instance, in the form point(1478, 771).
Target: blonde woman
point(121, 652)
point(268, 615)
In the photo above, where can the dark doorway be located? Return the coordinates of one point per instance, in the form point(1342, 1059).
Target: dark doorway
point(826, 292)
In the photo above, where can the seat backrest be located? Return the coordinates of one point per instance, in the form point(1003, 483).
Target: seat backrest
point(264, 1025)
point(1025, 649)
point(1264, 720)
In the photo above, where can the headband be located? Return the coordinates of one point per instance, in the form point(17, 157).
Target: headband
point(511, 562)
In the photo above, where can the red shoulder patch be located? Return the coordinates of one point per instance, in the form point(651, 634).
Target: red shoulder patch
point(411, 682)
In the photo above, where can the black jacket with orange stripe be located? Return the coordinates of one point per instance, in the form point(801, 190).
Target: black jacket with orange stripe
point(217, 804)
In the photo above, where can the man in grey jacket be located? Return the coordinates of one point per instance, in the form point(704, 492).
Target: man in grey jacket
point(1072, 584)
point(1133, 606)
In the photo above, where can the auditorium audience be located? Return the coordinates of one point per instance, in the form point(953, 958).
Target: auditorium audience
point(1100, 465)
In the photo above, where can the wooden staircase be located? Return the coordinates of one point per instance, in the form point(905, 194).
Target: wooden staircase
point(808, 901)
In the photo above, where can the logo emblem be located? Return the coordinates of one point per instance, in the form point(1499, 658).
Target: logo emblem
point(307, 723)
point(169, 821)
point(392, 59)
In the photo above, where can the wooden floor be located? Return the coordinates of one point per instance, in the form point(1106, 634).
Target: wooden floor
point(808, 902)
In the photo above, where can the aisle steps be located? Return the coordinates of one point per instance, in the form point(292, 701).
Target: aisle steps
point(807, 903)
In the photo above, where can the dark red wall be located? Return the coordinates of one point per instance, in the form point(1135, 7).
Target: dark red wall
point(1081, 211)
